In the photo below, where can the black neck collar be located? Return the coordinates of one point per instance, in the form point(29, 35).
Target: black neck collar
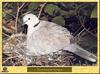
point(36, 24)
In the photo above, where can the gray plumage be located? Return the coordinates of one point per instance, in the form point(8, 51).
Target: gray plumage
point(48, 37)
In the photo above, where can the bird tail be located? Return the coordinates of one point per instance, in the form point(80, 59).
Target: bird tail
point(76, 49)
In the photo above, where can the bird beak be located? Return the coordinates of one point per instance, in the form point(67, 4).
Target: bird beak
point(24, 27)
point(24, 23)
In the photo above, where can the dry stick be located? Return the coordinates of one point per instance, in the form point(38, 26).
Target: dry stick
point(79, 34)
point(9, 58)
point(41, 9)
point(77, 31)
point(15, 35)
point(6, 34)
point(6, 29)
point(5, 5)
point(82, 23)
point(18, 14)
point(26, 13)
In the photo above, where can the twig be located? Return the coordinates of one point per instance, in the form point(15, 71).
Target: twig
point(16, 35)
point(80, 32)
point(82, 24)
point(5, 5)
point(26, 13)
point(9, 58)
point(17, 15)
point(6, 34)
point(6, 29)
point(41, 10)
point(77, 31)
point(79, 35)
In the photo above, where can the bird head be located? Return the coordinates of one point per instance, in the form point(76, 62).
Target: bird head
point(30, 20)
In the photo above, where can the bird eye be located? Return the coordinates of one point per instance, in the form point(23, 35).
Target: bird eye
point(28, 18)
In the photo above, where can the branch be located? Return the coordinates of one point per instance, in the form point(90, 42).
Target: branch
point(18, 14)
point(82, 22)
point(6, 29)
point(9, 58)
point(16, 35)
point(41, 10)
point(6, 34)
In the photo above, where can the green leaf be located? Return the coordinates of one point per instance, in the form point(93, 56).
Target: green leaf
point(67, 13)
point(50, 9)
point(62, 12)
point(94, 13)
point(59, 20)
point(33, 6)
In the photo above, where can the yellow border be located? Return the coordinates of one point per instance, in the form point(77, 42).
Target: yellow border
point(75, 69)
point(49, 0)
point(0, 36)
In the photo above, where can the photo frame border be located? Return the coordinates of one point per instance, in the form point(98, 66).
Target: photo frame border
point(75, 69)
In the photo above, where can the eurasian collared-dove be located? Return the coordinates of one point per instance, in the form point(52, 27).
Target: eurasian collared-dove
point(45, 37)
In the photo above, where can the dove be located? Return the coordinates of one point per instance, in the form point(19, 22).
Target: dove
point(44, 37)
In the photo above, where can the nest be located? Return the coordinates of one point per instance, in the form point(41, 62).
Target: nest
point(14, 49)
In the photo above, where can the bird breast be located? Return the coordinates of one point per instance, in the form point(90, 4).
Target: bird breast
point(49, 37)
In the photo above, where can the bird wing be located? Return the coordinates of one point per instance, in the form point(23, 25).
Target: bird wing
point(49, 37)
